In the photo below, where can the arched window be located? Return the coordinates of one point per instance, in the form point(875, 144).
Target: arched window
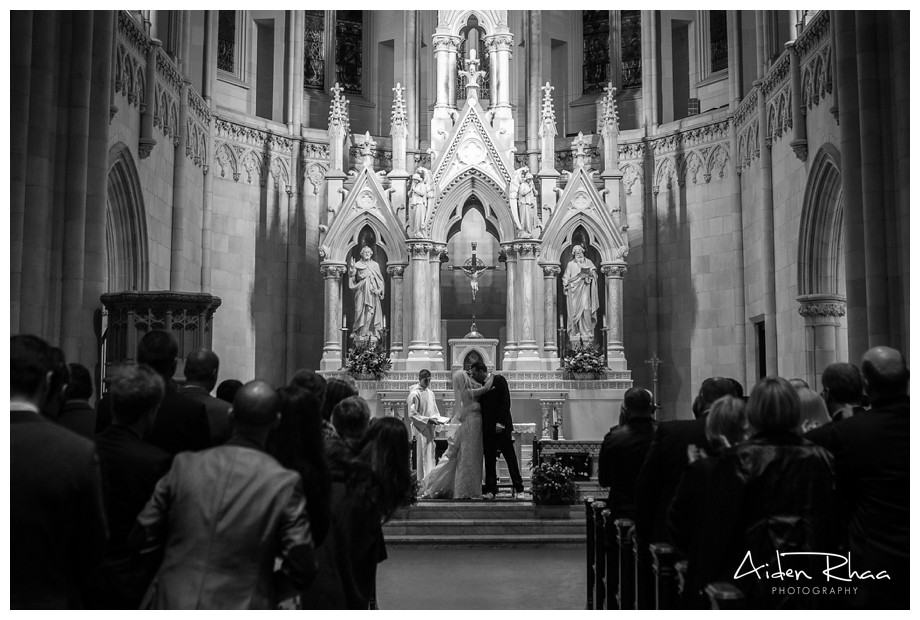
point(334, 53)
point(230, 43)
point(596, 50)
point(473, 37)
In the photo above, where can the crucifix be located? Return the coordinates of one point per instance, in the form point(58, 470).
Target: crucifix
point(654, 363)
point(473, 268)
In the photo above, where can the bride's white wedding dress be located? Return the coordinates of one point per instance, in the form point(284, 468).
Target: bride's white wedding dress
point(458, 474)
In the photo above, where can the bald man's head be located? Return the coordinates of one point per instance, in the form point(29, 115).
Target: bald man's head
point(201, 367)
point(885, 371)
point(256, 405)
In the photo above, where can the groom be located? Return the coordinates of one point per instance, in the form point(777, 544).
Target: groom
point(496, 430)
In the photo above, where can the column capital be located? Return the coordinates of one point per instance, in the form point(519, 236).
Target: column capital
point(438, 252)
point(551, 270)
point(445, 43)
point(527, 249)
point(419, 249)
point(396, 270)
point(500, 42)
point(507, 253)
point(332, 271)
point(614, 270)
point(821, 306)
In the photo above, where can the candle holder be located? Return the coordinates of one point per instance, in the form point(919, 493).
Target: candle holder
point(344, 331)
point(604, 335)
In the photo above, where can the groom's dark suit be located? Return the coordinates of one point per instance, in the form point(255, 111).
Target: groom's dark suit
point(496, 409)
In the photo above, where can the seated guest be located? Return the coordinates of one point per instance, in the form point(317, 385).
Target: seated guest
point(131, 468)
point(181, 423)
point(623, 452)
point(350, 418)
point(726, 426)
point(814, 410)
point(222, 515)
point(336, 391)
point(297, 443)
point(312, 382)
point(843, 390)
point(872, 462)
point(226, 391)
point(77, 414)
point(771, 495)
point(201, 368)
point(57, 530)
point(367, 487)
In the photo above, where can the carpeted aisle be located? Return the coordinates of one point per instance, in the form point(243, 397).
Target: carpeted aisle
point(482, 578)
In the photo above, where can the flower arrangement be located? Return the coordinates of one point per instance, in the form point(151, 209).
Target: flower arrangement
point(583, 358)
point(553, 483)
point(367, 358)
point(415, 489)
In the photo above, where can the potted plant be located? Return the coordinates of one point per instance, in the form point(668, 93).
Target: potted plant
point(553, 484)
point(367, 360)
point(583, 361)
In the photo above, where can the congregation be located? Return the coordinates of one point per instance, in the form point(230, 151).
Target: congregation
point(790, 498)
point(165, 497)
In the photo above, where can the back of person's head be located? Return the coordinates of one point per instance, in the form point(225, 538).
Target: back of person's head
point(774, 406)
point(227, 389)
point(479, 366)
point(799, 383)
point(57, 386)
point(336, 391)
point(886, 373)
point(350, 418)
point(298, 435)
point(136, 390)
point(81, 383)
point(159, 350)
point(201, 367)
point(255, 406)
point(739, 389)
point(726, 424)
point(312, 382)
point(424, 373)
point(385, 448)
point(637, 402)
point(713, 389)
point(814, 409)
point(30, 363)
point(842, 383)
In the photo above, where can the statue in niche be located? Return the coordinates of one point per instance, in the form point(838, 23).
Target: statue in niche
point(420, 196)
point(523, 201)
point(366, 282)
point(580, 285)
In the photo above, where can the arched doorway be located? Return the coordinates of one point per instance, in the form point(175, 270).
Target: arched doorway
point(126, 251)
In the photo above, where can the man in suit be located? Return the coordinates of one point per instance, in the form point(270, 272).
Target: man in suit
point(496, 431)
point(77, 414)
point(843, 390)
point(623, 452)
point(131, 468)
point(223, 515)
point(57, 525)
point(872, 465)
point(201, 369)
point(181, 423)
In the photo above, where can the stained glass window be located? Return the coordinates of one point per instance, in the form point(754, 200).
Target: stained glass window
point(226, 41)
point(718, 41)
point(631, 49)
point(314, 50)
point(596, 57)
point(349, 33)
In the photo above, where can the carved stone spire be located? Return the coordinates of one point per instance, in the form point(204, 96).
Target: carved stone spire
point(399, 128)
point(547, 131)
point(398, 115)
point(579, 152)
point(608, 126)
point(367, 151)
point(338, 128)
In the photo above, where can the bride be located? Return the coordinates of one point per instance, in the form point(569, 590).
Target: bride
point(458, 474)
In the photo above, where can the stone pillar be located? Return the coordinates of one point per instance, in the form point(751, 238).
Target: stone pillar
point(444, 47)
point(511, 308)
point(735, 76)
point(737, 223)
point(396, 271)
point(534, 51)
point(421, 309)
point(528, 357)
point(434, 272)
point(20, 93)
point(616, 357)
point(551, 272)
point(769, 250)
point(209, 70)
point(410, 75)
point(332, 348)
point(799, 136)
point(147, 141)
point(649, 69)
point(499, 47)
point(821, 314)
point(177, 262)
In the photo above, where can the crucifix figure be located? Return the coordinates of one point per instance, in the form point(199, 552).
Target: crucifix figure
point(473, 268)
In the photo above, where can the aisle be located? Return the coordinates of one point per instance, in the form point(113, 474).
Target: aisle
point(482, 578)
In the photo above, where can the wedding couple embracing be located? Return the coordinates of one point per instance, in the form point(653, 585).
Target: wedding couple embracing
point(482, 408)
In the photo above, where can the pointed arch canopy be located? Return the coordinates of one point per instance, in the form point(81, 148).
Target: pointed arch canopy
point(821, 228)
point(493, 22)
point(126, 245)
point(449, 203)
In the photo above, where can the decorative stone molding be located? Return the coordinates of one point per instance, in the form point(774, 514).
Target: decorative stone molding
point(421, 250)
point(811, 309)
point(778, 74)
point(815, 33)
point(314, 151)
point(527, 249)
point(615, 271)
point(445, 43)
point(396, 271)
point(167, 71)
point(332, 271)
point(500, 43)
point(551, 271)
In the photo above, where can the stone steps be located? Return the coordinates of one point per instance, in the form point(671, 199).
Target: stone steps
point(433, 523)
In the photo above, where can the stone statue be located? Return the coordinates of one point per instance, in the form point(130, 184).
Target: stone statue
point(420, 195)
point(580, 285)
point(366, 281)
point(472, 74)
point(523, 201)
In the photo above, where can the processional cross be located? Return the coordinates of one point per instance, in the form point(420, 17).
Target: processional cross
point(473, 268)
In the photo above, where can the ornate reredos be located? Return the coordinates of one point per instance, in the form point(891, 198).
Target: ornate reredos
point(581, 204)
point(493, 22)
point(367, 204)
point(472, 144)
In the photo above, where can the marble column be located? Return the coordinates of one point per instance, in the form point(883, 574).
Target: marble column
point(410, 76)
point(527, 351)
point(421, 309)
point(396, 271)
point(551, 273)
point(511, 307)
point(821, 314)
point(208, 71)
point(799, 136)
point(649, 69)
point(434, 273)
point(444, 47)
point(735, 77)
point(616, 356)
point(20, 80)
point(499, 47)
point(534, 51)
point(769, 249)
point(177, 261)
point(332, 348)
point(147, 141)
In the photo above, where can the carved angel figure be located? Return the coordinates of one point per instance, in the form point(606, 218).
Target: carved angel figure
point(420, 195)
point(523, 201)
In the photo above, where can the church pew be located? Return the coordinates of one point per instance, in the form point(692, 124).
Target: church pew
point(664, 556)
point(600, 556)
point(725, 596)
point(613, 559)
point(589, 545)
point(625, 572)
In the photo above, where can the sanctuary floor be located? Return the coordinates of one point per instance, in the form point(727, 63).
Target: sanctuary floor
point(482, 578)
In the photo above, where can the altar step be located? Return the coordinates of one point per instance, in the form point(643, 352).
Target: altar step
point(486, 524)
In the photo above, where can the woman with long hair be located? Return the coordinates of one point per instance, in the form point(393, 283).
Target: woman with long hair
point(458, 474)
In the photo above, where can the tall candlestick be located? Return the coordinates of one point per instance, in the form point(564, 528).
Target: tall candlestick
point(344, 322)
point(561, 324)
point(384, 322)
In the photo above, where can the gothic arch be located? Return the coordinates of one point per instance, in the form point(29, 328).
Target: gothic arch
point(821, 227)
point(449, 206)
point(336, 250)
point(491, 21)
point(127, 256)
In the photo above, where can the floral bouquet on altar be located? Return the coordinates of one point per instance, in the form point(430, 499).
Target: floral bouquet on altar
point(553, 484)
point(367, 360)
point(583, 359)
